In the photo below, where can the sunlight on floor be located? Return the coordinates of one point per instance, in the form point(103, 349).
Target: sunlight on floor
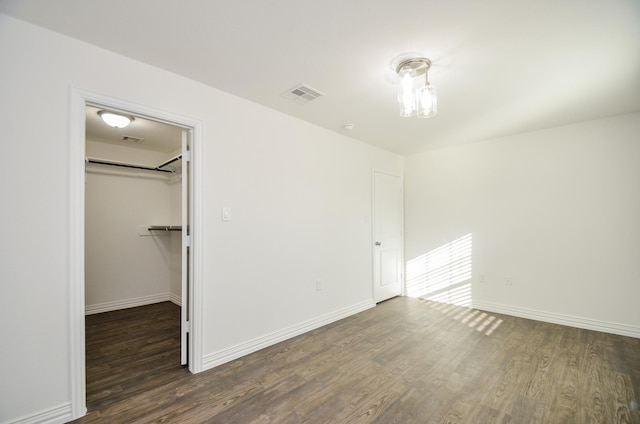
point(443, 277)
point(481, 321)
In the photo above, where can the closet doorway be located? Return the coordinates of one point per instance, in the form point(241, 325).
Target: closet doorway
point(136, 189)
point(138, 218)
point(191, 308)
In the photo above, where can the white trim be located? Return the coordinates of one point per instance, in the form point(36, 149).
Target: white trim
point(175, 299)
point(226, 355)
point(79, 99)
point(562, 319)
point(58, 415)
point(196, 291)
point(128, 303)
point(76, 177)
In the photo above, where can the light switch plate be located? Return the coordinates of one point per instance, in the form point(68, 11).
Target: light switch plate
point(226, 214)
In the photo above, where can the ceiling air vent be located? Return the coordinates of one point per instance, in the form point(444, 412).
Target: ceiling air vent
point(302, 94)
point(131, 139)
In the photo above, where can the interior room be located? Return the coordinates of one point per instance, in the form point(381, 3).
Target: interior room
point(133, 214)
point(366, 212)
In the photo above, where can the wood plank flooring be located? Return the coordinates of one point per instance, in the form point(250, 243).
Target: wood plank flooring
point(405, 361)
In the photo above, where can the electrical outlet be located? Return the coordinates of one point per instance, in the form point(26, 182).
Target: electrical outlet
point(508, 281)
point(483, 278)
point(226, 214)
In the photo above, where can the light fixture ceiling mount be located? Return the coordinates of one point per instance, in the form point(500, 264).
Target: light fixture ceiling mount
point(418, 65)
point(114, 119)
point(416, 96)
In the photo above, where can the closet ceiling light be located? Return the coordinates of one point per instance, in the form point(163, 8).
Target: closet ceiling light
point(114, 119)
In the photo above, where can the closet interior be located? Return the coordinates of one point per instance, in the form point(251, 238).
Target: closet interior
point(133, 214)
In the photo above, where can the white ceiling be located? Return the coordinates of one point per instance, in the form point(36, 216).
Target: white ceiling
point(500, 66)
point(155, 136)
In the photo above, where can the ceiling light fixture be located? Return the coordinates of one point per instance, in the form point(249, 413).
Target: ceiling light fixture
point(115, 119)
point(416, 97)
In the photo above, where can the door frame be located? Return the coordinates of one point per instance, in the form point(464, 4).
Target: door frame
point(403, 283)
point(80, 98)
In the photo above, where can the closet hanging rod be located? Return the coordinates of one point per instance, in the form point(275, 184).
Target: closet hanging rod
point(126, 165)
point(165, 228)
point(173, 159)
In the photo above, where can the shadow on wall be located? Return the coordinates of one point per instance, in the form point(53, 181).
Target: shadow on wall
point(443, 274)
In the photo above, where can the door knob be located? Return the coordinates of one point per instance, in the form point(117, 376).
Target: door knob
point(378, 243)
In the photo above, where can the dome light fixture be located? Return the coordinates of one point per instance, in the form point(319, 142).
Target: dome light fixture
point(115, 120)
point(416, 96)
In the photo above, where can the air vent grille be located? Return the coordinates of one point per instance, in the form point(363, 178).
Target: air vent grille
point(302, 94)
point(131, 139)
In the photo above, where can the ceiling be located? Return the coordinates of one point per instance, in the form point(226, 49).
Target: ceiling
point(141, 133)
point(500, 66)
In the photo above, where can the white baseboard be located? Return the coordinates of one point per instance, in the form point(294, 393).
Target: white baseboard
point(58, 415)
point(554, 318)
point(226, 355)
point(174, 298)
point(127, 303)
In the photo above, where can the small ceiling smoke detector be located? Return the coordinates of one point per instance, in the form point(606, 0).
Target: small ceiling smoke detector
point(302, 94)
point(347, 127)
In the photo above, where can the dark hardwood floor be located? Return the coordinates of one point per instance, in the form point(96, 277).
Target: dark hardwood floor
point(131, 351)
point(405, 361)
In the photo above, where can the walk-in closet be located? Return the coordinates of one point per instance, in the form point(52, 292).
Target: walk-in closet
point(133, 249)
point(132, 214)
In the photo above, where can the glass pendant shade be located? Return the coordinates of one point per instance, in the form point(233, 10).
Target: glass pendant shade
point(406, 97)
point(427, 102)
point(416, 97)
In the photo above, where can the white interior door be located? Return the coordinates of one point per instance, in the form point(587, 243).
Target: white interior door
point(186, 247)
point(388, 236)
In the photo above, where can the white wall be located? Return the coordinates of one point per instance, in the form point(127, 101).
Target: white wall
point(127, 154)
point(300, 198)
point(557, 210)
point(122, 267)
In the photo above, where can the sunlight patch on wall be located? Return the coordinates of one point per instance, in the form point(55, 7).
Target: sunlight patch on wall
point(443, 274)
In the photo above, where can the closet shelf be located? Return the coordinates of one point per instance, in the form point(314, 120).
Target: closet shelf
point(165, 228)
